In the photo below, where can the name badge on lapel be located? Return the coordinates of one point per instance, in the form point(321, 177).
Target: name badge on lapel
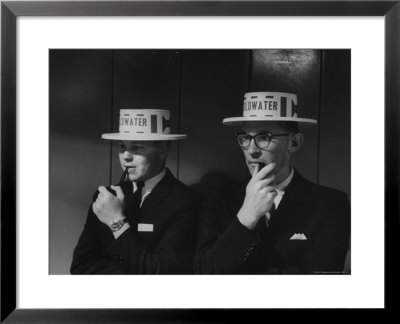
point(145, 227)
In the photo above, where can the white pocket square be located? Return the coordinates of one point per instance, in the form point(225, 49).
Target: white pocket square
point(298, 236)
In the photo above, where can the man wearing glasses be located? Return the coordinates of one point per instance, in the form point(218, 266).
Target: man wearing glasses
point(277, 222)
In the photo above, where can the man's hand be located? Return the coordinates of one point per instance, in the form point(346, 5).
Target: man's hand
point(260, 195)
point(108, 207)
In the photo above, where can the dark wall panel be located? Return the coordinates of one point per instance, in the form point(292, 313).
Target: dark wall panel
point(146, 79)
point(80, 105)
point(335, 124)
point(298, 72)
point(213, 84)
point(335, 132)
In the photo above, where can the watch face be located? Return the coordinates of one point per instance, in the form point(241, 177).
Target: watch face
point(116, 225)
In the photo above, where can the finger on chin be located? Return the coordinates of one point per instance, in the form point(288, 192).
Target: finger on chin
point(265, 171)
point(255, 169)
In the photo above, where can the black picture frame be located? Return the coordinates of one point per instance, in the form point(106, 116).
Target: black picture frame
point(11, 10)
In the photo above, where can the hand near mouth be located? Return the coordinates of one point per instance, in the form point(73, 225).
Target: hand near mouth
point(257, 165)
point(260, 195)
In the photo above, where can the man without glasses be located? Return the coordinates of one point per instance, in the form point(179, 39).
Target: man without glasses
point(146, 224)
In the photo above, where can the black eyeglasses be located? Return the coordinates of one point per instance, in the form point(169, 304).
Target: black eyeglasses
point(262, 140)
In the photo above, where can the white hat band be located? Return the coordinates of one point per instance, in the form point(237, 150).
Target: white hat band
point(144, 125)
point(269, 104)
point(144, 121)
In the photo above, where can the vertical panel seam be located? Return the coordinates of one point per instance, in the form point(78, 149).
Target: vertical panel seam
point(179, 112)
point(250, 70)
point(112, 114)
point(321, 88)
point(249, 83)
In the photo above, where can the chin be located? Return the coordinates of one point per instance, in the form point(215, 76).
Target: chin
point(133, 177)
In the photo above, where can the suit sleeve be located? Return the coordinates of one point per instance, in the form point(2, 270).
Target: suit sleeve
point(329, 249)
point(220, 248)
point(171, 254)
point(88, 257)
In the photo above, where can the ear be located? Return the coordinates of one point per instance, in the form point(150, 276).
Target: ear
point(163, 149)
point(296, 141)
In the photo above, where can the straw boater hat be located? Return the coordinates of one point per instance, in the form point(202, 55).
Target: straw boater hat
point(144, 125)
point(269, 106)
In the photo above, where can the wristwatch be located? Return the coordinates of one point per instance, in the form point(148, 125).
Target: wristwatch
point(116, 225)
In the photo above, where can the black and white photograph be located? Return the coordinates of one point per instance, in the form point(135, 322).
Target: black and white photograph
point(199, 161)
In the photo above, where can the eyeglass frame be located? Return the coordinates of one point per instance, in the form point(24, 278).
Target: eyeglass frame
point(269, 136)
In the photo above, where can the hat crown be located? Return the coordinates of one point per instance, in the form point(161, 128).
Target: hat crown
point(269, 105)
point(144, 121)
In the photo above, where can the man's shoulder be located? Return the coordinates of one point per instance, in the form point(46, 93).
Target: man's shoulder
point(317, 190)
point(180, 190)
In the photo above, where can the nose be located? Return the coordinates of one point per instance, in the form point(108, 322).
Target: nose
point(254, 150)
point(127, 156)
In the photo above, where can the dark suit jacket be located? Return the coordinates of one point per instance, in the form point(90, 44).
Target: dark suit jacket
point(171, 207)
point(322, 214)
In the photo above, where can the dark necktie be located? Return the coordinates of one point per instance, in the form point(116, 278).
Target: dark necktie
point(137, 195)
point(263, 225)
point(272, 212)
point(133, 201)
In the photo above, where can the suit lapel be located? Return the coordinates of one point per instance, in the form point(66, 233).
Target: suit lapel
point(159, 192)
point(292, 209)
point(156, 197)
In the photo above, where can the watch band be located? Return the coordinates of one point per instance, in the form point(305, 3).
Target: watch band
point(117, 224)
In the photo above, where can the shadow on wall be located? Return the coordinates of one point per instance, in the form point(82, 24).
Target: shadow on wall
point(213, 180)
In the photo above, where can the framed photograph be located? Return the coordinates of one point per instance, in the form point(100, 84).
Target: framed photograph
point(68, 67)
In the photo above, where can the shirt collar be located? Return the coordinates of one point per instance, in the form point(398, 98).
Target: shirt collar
point(281, 187)
point(149, 184)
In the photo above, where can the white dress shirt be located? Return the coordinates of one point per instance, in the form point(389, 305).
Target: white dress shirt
point(149, 185)
point(280, 189)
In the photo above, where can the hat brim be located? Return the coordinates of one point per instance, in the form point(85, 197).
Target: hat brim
point(238, 121)
point(143, 137)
